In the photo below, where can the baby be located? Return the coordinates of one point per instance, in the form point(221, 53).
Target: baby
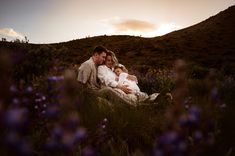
point(122, 79)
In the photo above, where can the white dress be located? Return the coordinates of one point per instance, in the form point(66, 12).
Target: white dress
point(107, 76)
point(122, 80)
point(110, 79)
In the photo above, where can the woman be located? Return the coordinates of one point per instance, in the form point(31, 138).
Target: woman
point(106, 74)
point(110, 79)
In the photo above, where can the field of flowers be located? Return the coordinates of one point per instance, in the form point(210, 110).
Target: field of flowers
point(52, 114)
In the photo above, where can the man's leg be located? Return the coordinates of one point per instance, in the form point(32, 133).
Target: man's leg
point(142, 96)
point(116, 96)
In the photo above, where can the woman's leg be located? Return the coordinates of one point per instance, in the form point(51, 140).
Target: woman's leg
point(116, 96)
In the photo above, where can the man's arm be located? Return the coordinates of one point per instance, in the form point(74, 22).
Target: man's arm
point(84, 73)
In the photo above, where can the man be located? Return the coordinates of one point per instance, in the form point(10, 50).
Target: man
point(87, 72)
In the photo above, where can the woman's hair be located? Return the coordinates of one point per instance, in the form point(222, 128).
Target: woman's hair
point(113, 56)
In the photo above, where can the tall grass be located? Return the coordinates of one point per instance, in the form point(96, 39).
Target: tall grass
point(55, 115)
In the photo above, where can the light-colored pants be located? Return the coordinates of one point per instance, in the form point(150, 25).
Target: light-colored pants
point(118, 96)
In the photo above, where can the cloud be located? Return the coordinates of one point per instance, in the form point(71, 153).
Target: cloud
point(10, 33)
point(133, 25)
point(119, 26)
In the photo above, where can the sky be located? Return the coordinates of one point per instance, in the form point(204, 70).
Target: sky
point(53, 21)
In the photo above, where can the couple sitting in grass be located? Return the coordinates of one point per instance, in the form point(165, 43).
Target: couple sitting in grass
point(105, 76)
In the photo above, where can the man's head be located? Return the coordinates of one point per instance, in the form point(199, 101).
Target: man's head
point(99, 55)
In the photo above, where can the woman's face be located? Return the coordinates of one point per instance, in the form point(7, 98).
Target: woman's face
point(109, 62)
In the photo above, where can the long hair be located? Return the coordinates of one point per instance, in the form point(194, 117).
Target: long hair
point(113, 56)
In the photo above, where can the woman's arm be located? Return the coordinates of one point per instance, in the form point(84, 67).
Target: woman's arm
point(124, 88)
point(105, 78)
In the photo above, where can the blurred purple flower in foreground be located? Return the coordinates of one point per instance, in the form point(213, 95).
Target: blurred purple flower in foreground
point(16, 117)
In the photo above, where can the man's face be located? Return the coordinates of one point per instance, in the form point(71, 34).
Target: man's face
point(100, 58)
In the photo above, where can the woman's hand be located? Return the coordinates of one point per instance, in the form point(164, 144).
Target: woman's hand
point(124, 88)
point(132, 78)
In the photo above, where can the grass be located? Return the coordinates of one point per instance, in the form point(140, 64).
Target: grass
point(116, 128)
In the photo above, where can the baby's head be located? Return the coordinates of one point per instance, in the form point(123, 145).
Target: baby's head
point(118, 69)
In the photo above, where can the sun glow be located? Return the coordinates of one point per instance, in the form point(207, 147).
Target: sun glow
point(162, 29)
point(166, 28)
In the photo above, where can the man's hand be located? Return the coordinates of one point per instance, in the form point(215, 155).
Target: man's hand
point(125, 89)
point(132, 78)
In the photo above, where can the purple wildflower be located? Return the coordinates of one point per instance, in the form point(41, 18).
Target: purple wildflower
point(55, 78)
point(80, 134)
point(183, 120)
point(43, 98)
point(215, 96)
point(29, 89)
point(103, 126)
point(13, 89)
point(194, 114)
point(72, 121)
point(36, 107)
point(197, 135)
point(16, 117)
point(57, 132)
point(68, 140)
point(16, 101)
point(105, 120)
point(88, 151)
point(38, 100)
point(52, 111)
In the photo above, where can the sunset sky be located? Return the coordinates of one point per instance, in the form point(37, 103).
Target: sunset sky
point(51, 21)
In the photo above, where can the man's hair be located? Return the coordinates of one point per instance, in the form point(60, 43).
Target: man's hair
point(99, 50)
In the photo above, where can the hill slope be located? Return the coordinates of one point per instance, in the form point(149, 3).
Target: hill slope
point(209, 43)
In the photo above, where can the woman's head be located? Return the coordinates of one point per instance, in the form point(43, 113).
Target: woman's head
point(111, 59)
